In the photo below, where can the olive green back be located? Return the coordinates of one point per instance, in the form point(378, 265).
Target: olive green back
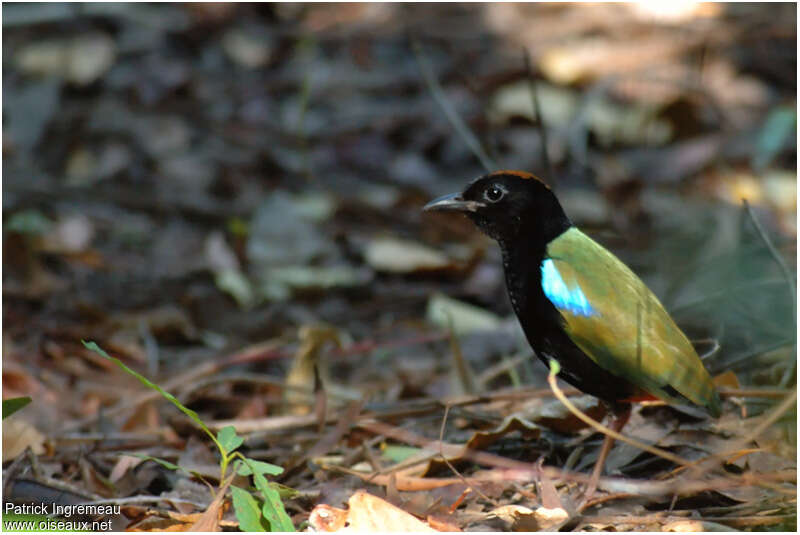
point(629, 334)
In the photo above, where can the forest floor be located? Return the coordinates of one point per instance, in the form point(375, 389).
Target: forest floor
point(227, 198)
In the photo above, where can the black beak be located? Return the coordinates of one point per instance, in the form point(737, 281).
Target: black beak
point(452, 202)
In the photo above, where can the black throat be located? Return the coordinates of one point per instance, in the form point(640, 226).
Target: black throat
point(523, 251)
point(522, 261)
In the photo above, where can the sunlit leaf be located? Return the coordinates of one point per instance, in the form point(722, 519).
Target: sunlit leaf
point(228, 439)
point(247, 510)
point(272, 508)
point(259, 467)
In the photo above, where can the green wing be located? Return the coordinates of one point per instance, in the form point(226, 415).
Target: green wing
point(624, 328)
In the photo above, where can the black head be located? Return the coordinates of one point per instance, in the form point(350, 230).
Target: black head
point(504, 204)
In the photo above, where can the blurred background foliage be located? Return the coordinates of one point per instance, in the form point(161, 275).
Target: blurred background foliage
point(179, 179)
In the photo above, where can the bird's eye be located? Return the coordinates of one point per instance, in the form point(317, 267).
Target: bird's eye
point(494, 193)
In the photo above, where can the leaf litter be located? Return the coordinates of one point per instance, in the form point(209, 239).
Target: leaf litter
point(227, 199)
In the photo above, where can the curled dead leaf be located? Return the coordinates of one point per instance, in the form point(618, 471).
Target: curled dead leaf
point(521, 518)
point(327, 518)
point(442, 523)
point(691, 526)
point(19, 435)
point(366, 513)
point(301, 375)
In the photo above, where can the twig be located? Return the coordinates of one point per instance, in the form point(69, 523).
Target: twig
point(504, 366)
point(370, 345)
point(453, 468)
point(787, 274)
point(537, 109)
point(465, 374)
point(551, 379)
point(715, 347)
point(441, 99)
point(272, 423)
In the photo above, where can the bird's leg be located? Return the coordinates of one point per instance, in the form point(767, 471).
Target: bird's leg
point(620, 418)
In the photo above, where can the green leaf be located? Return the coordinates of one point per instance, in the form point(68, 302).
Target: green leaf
point(30, 222)
point(166, 464)
point(274, 511)
point(228, 439)
point(12, 405)
point(774, 136)
point(399, 453)
point(286, 493)
point(273, 506)
point(555, 367)
point(247, 511)
point(259, 467)
point(91, 346)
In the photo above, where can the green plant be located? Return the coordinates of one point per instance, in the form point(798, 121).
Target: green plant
point(261, 510)
point(12, 405)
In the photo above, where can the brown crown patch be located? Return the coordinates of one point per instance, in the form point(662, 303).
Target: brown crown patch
point(519, 174)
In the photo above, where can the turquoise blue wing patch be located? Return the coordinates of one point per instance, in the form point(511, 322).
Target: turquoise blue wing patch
point(563, 297)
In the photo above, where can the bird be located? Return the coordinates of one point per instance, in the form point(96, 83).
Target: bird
point(580, 305)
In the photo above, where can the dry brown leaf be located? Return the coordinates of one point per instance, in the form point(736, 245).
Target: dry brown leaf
point(691, 526)
point(18, 382)
point(93, 480)
point(370, 513)
point(124, 463)
point(191, 518)
point(146, 418)
point(209, 520)
point(366, 513)
point(483, 439)
point(19, 435)
point(197, 457)
point(521, 518)
point(594, 57)
point(547, 490)
point(301, 375)
point(511, 514)
point(726, 379)
point(442, 523)
point(326, 518)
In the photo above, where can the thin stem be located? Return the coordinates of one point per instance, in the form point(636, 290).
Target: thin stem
point(787, 274)
point(441, 99)
point(537, 109)
point(450, 465)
